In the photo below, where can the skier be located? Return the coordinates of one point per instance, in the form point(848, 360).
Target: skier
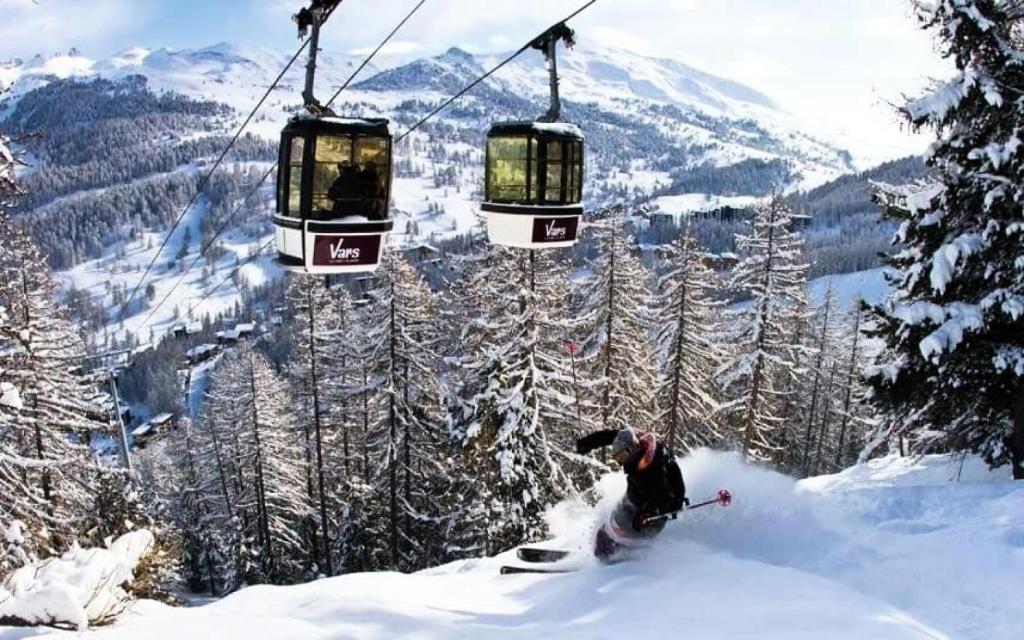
point(655, 487)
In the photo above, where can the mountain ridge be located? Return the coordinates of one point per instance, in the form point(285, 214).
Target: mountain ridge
point(647, 128)
point(610, 77)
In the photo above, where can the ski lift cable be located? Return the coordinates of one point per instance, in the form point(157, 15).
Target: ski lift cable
point(206, 179)
point(224, 226)
point(209, 243)
point(209, 174)
point(266, 245)
point(376, 51)
point(423, 121)
point(501, 64)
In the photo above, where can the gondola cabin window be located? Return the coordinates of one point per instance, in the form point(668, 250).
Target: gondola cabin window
point(563, 171)
point(554, 187)
point(371, 156)
point(350, 177)
point(294, 198)
point(534, 170)
point(507, 177)
point(334, 177)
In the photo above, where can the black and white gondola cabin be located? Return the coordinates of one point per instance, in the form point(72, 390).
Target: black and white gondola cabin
point(334, 186)
point(534, 184)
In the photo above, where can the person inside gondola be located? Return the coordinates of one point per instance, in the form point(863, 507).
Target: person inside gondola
point(369, 187)
point(345, 190)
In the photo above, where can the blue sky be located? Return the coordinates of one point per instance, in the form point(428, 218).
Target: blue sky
point(827, 60)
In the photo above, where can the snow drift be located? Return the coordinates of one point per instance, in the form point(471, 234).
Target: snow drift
point(81, 587)
point(896, 548)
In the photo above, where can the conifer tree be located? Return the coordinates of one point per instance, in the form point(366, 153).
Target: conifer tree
point(820, 364)
point(687, 315)
point(400, 342)
point(45, 462)
point(183, 487)
point(852, 413)
point(563, 401)
point(318, 342)
point(249, 406)
point(796, 401)
point(617, 320)
point(952, 375)
point(761, 370)
point(498, 413)
point(8, 186)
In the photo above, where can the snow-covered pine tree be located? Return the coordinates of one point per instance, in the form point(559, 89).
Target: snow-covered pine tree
point(465, 334)
point(182, 487)
point(45, 462)
point(852, 413)
point(249, 405)
point(687, 314)
point(826, 407)
point(617, 350)
point(796, 400)
point(819, 365)
point(566, 408)
point(761, 368)
point(408, 438)
point(125, 501)
point(14, 555)
point(319, 345)
point(218, 489)
point(497, 412)
point(952, 376)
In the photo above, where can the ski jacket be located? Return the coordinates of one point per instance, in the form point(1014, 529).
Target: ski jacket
point(655, 483)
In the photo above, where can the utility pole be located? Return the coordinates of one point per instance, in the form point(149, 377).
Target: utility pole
point(126, 460)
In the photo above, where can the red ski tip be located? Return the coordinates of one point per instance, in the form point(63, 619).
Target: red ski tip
point(724, 497)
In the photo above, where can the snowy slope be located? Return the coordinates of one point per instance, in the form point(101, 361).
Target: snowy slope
point(895, 549)
point(681, 205)
point(849, 289)
point(189, 296)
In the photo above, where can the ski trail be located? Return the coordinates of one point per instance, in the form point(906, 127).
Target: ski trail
point(890, 551)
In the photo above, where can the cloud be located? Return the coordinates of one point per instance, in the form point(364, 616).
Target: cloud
point(61, 24)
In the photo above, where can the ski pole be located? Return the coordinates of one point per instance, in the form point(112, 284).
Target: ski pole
point(723, 498)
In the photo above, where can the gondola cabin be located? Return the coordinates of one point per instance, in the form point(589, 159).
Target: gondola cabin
point(534, 184)
point(334, 186)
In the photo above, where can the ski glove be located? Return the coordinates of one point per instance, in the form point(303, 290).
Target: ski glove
point(639, 521)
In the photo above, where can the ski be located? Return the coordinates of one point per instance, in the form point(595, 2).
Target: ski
point(534, 554)
point(507, 570)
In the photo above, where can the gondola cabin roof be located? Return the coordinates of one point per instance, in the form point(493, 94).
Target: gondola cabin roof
point(333, 124)
point(563, 130)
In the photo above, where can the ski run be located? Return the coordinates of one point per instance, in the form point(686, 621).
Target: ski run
point(896, 548)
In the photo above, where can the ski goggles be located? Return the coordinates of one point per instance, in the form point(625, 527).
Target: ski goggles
point(622, 456)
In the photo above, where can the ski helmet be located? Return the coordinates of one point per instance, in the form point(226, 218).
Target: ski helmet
point(624, 445)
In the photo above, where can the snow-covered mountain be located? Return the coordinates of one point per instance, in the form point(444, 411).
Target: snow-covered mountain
point(652, 125)
point(739, 121)
point(202, 72)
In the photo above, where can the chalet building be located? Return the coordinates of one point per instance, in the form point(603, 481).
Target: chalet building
point(152, 428)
